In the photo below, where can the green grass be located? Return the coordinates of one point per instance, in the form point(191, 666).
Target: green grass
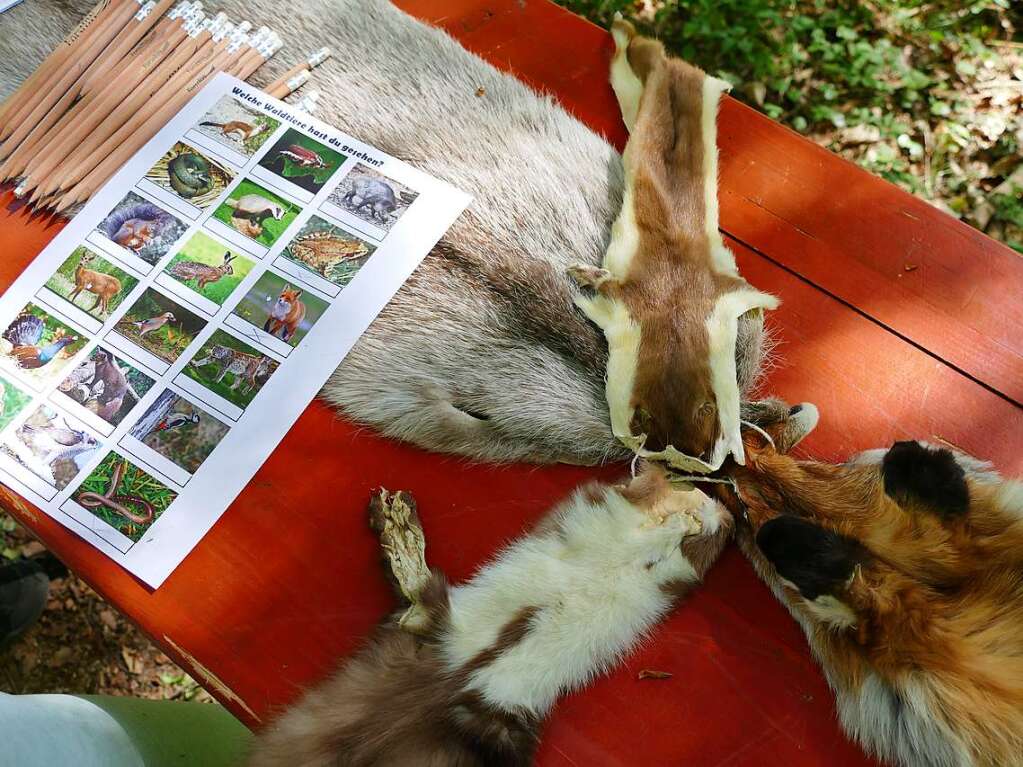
point(272, 228)
point(311, 179)
point(63, 282)
point(134, 482)
point(924, 94)
point(13, 400)
point(205, 250)
point(169, 341)
point(207, 374)
point(254, 142)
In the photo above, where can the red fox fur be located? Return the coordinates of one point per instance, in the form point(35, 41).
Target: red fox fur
point(904, 568)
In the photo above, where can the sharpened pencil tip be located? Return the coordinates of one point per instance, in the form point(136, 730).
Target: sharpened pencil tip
point(20, 190)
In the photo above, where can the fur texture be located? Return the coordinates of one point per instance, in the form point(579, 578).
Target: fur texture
point(466, 675)
point(912, 603)
point(482, 352)
point(669, 296)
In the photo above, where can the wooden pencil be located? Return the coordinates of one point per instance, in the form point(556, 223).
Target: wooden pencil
point(85, 117)
point(82, 159)
point(77, 66)
point(290, 85)
point(49, 138)
point(107, 23)
point(156, 78)
point(91, 172)
point(20, 98)
point(312, 61)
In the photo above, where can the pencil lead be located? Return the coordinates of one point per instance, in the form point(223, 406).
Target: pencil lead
point(20, 189)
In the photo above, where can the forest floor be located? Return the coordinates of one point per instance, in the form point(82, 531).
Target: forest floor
point(83, 645)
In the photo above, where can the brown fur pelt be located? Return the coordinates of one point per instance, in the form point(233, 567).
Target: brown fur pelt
point(466, 675)
point(905, 569)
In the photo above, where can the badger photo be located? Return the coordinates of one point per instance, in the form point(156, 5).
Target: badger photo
point(373, 197)
point(257, 212)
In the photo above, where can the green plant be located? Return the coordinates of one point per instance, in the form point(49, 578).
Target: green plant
point(925, 94)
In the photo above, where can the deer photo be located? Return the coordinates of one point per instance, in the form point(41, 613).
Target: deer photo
point(103, 286)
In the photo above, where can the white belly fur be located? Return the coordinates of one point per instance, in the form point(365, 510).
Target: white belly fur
point(595, 595)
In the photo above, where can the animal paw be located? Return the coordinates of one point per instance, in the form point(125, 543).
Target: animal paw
point(393, 517)
point(588, 276)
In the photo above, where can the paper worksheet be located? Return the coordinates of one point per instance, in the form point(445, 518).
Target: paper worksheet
point(154, 355)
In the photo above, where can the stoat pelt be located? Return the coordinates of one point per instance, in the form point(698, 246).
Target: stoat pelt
point(466, 675)
point(904, 568)
point(669, 295)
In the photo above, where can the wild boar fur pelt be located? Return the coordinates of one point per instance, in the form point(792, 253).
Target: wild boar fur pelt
point(482, 352)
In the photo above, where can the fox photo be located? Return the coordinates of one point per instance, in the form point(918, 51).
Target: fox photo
point(106, 385)
point(256, 212)
point(51, 447)
point(91, 283)
point(373, 197)
point(191, 175)
point(329, 251)
point(209, 267)
point(124, 496)
point(38, 345)
point(231, 368)
point(236, 126)
point(280, 308)
point(160, 325)
point(142, 227)
point(179, 430)
point(302, 160)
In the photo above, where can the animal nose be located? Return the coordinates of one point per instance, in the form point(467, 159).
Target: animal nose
point(795, 409)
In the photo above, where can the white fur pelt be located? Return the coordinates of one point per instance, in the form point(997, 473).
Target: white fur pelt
point(482, 352)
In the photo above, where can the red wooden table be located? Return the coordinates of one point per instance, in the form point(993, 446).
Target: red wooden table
point(288, 581)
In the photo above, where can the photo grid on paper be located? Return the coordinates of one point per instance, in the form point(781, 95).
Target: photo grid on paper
point(191, 287)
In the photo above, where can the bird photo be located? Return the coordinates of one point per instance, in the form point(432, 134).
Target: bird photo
point(231, 123)
point(106, 385)
point(179, 430)
point(52, 448)
point(302, 160)
point(37, 344)
point(160, 325)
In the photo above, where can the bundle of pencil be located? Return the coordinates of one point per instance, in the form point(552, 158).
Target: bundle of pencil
point(113, 83)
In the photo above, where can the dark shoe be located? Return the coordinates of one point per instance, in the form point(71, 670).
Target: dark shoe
point(24, 588)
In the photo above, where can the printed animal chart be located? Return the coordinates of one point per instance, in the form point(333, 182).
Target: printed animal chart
point(158, 350)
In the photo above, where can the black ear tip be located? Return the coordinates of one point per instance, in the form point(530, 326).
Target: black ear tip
point(930, 476)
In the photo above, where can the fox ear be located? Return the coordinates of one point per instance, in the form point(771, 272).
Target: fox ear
point(931, 477)
point(817, 561)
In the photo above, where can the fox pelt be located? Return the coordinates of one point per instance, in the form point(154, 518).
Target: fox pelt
point(482, 352)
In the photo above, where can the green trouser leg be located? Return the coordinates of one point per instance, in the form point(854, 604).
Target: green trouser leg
point(107, 731)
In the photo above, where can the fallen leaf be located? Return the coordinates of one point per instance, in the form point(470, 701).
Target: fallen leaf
point(108, 618)
point(650, 674)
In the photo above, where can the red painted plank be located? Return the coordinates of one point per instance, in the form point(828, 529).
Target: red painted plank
point(288, 580)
